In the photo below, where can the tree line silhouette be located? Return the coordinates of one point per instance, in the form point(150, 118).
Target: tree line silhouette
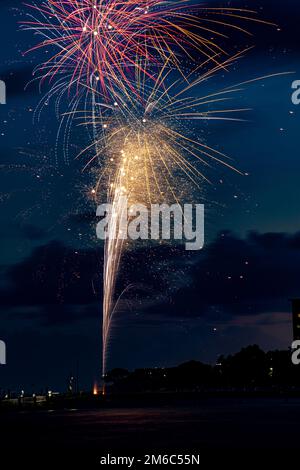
point(251, 367)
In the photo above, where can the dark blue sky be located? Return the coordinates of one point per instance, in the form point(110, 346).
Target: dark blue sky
point(233, 293)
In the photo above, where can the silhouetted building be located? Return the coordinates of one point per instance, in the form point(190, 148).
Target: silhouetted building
point(296, 318)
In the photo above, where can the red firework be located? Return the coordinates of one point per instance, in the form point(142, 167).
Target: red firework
point(112, 40)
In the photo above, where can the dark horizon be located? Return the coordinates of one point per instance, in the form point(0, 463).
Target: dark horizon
point(251, 367)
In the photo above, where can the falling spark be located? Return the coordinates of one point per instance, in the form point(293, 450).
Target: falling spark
point(150, 146)
point(124, 54)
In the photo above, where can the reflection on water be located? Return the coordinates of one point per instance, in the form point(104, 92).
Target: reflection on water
point(205, 424)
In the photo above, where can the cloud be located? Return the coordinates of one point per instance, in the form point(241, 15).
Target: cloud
point(55, 282)
point(231, 277)
point(236, 276)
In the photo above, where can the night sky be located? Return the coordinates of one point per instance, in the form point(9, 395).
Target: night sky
point(184, 306)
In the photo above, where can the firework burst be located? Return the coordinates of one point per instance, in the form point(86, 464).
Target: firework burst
point(108, 41)
point(152, 137)
point(127, 60)
point(150, 152)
